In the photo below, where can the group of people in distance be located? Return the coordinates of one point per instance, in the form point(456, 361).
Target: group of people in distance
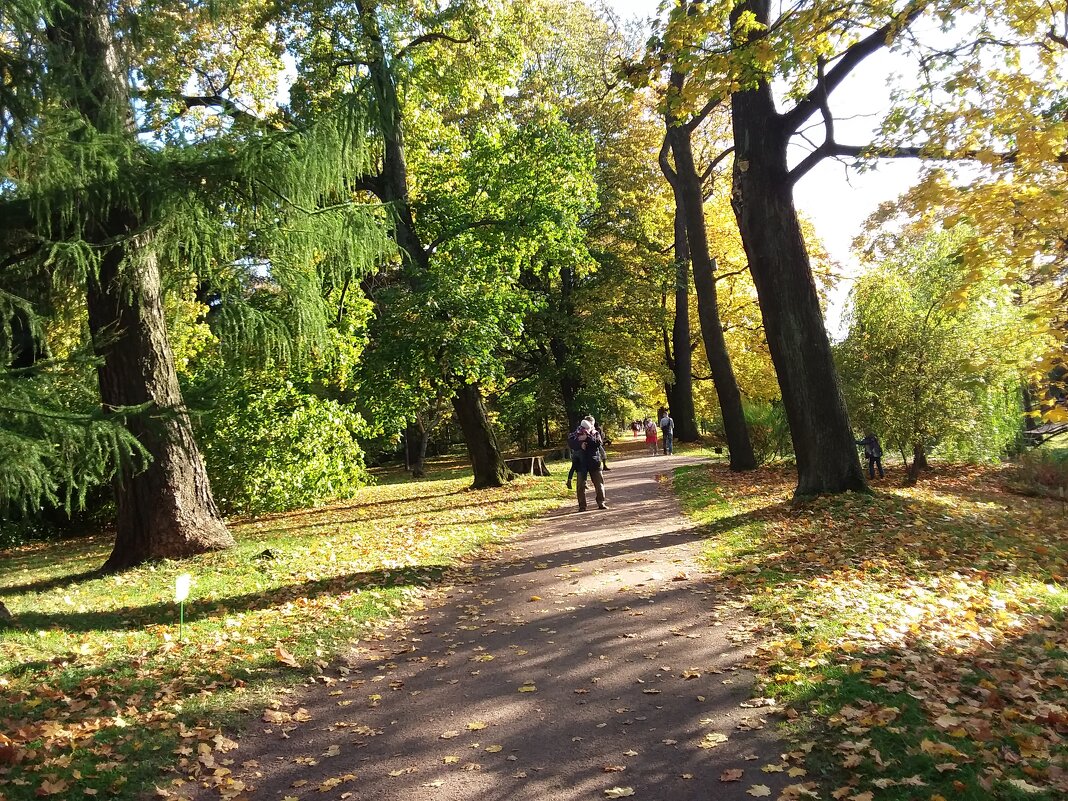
point(648, 426)
point(589, 459)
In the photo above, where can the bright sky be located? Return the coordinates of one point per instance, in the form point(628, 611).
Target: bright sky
point(835, 198)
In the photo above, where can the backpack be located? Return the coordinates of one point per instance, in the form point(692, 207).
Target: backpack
point(650, 428)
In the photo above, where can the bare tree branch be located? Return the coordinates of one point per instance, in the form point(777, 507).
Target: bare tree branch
point(850, 59)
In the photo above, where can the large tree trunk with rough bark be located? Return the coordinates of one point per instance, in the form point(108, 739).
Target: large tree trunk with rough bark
point(688, 196)
point(762, 198)
point(490, 469)
point(165, 510)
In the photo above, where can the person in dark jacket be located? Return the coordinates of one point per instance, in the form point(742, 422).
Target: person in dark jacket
point(586, 447)
point(873, 452)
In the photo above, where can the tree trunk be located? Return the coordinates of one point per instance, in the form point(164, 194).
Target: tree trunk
point(689, 199)
point(489, 468)
point(762, 198)
point(167, 509)
point(919, 462)
point(415, 441)
point(564, 354)
point(680, 399)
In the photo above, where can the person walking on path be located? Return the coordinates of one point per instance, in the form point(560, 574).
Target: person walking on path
point(873, 452)
point(587, 443)
point(650, 435)
point(667, 428)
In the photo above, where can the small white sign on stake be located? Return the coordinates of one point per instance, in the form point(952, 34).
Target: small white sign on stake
point(181, 587)
point(181, 592)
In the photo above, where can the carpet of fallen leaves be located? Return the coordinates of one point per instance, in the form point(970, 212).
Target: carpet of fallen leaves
point(916, 636)
point(99, 697)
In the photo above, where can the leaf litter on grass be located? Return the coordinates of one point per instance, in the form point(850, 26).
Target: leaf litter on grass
point(96, 692)
point(917, 634)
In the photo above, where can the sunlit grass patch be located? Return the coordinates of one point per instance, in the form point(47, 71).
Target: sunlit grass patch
point(944, 601)
point(96, 690)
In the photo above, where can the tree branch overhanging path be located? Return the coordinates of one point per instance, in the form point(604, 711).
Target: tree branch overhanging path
point(589, 656)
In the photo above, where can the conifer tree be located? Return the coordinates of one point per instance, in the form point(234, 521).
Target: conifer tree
point(257, 218)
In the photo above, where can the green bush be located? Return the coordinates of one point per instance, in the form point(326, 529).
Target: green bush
point(768, 431)
point(270, 446)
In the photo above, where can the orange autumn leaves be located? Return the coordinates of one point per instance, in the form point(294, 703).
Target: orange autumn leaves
point(928, 620)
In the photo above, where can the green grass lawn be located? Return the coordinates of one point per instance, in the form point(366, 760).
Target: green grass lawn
point(915, 638)
point(98, 696)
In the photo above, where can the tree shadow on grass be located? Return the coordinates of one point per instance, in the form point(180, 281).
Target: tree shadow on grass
point(44, 585)
point(334, 521)
point(130, 618)
point(342, 506)
point(890, 534)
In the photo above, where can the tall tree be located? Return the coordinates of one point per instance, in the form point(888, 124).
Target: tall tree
point(363, 47)
point(744, 52)
point(679, 348)
point(251, 214)
point(165, 509)
point(689, 201)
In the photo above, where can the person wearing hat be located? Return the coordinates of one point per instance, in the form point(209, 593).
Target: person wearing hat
point(586, 448)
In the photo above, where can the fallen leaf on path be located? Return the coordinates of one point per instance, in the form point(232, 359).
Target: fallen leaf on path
point(1020, 784)
point(712, 740)
point(759, 790)
point(619, 792)
point(283, 656)
point(731, 775)
point(528, 688)
point(51, 787)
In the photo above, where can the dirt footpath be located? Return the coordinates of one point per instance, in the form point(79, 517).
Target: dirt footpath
point(590, 661)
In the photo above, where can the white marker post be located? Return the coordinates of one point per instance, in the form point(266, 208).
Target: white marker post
point(181, 592)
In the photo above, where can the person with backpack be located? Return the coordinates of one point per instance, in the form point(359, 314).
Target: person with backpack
point(605, 442)
point(650, 434)
point(873, 452)
point(667, 428)
point(586, 448)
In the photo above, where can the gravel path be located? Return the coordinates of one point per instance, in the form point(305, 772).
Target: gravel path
point(592, 656)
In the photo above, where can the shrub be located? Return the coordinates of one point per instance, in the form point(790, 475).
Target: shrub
point(270, 446)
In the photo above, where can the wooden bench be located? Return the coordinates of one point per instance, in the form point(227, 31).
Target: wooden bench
point(528, 465)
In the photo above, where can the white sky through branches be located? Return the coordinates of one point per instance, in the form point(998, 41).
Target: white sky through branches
point(835, 198)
